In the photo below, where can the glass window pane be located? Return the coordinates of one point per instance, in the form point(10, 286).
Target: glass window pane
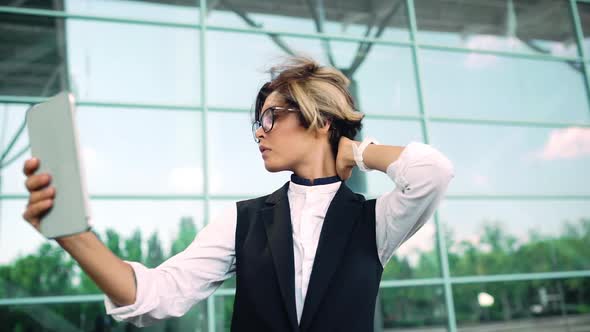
point(179, 11)
point(224, 308)
point(117, 62)
point(235, 164)
point(376, 19)
point(500, 25)
point(163, 146)
point(412, 309)
point(89, 316)
point(540, 305)
point(32, 53)
point(489, 86)
point(503, 237)
point(383, 82)
point(132, 151)
point(390, 132)
point(416, 258)
point(12, 117)
point(143, 231)
point(515, 160)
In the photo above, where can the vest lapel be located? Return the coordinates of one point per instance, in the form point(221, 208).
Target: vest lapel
point(340, 218)
point(277, 220)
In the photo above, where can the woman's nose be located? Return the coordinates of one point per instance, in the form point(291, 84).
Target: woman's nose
point(259, 133)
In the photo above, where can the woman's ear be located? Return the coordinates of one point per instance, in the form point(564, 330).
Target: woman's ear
point(325, 130)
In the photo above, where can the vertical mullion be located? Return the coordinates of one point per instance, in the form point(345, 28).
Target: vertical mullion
point(580, 41)
point(424, 122)
point(204, 113)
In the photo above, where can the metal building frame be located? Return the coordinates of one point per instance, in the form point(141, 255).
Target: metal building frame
point(447, 281)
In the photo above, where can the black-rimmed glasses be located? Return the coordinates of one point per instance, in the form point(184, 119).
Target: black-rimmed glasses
point(267, 119)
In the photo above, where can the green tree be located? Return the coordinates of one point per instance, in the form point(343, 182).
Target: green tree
point(133, 250)
point(154, 255)
point(186, 234)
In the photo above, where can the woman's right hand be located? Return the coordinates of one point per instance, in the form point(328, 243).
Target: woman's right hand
point(41, 194)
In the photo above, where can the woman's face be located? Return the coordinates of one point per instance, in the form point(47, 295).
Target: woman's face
point(288, 143)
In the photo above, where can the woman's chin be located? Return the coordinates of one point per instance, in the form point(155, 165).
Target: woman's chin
point(273, 168)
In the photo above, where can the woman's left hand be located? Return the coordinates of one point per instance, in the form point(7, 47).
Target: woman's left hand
point(345, 159)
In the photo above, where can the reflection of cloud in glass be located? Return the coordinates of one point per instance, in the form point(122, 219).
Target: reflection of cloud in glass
point(477, 61)
point(94, 164)
point(560, 49)
point(185, 179)
point(480, 179)
point(487, 42)
point(567, 143)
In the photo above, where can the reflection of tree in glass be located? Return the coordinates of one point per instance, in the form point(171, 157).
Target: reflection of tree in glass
point(50, 271)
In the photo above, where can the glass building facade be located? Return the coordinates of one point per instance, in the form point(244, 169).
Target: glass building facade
point(164, 95)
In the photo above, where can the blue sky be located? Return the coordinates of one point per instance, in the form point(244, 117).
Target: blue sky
point(132, 151)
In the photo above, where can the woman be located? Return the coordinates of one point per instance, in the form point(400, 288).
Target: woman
point(307, 257)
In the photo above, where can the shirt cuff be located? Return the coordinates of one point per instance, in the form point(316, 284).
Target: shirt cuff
point(122, 313)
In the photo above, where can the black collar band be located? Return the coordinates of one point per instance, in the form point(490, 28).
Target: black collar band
point(316, 182)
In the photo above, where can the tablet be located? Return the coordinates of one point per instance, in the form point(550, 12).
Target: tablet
point(53, 136)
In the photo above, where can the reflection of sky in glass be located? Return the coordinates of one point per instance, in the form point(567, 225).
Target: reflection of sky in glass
point(515, 160)
point(133, 63)
point(521, 219)
point(490, 86)
point(134, 10)
point(123, 216)
point(137, 151)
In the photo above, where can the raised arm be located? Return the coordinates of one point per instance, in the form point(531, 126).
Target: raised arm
point(421, 175)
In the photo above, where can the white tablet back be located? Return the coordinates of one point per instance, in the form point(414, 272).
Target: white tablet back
point(54, 141)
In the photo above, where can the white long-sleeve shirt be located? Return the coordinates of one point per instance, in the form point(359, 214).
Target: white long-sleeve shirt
point(421, 174)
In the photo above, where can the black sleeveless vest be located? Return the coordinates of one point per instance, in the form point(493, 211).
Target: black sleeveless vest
point(345, 276)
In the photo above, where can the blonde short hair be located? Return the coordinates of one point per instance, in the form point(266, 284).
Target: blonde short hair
point(319, 92)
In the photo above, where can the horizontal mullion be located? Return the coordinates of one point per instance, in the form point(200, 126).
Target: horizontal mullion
point(463, 280)
point(384, 284)
point(236, 197)
point(92, 103)
point(323, 36)
point(517, 197)
point(522, 55)
point(21, 99)
point(411, 283)
point(52, 299)
point(380, 116)
point(167, 107)
point(228, 109)
point(520, 277)
point(518, 123)
point(131, 197)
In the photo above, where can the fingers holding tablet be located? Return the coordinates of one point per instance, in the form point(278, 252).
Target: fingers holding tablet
point(41, 194)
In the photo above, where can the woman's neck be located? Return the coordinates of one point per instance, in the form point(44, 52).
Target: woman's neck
point(320, 164)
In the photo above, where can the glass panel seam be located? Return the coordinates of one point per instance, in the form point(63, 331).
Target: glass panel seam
point(442, 248)
point(580, 41)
